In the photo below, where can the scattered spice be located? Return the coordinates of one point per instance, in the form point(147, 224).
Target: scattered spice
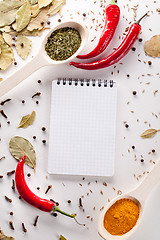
point(13, 184)
point(43, 129)
point(48, 188)
point(121, 217)
point(11, 173)
point(11, 213)
point(3, 102)
point(2, 158)
point(153, 150)
point(35, 222)
point(3, 114)
point(28, 175)
point(1, 176)
point(8, 199)
point(11, 225)
point(80, 203)
point(44, 141)
point(134, 92)
point(142, 160)
point(63, 43)
point(39, 81)
point(126, 125)
point(69, 201)
point(36, 94)
point(24, 228)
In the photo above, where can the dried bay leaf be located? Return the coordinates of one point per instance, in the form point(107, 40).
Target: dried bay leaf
point(152, 46)
point(23, 46)
point(8, 17)
point(149, 133)
point(34, 10)
point(0, 50)
point(23, 17)
point(19, 147)
point(44, 3)
point(7, 38)
point(6, 29)
point(27, 120)
point(6, 56)
point(62, 238)
point(39, 21)
point(8, 5)
point(33, 2)
point(56, 7)
point(4, 237)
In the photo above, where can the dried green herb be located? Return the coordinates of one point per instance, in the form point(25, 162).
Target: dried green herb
point(63, 43)
point(4, 237)
point(149, 133)
point(62, 238)
point(19, 147)
point(27, 120)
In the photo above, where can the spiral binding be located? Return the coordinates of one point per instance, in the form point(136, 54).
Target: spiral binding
point(86, 82)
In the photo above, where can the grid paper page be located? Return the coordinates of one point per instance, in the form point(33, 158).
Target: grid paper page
point(82, 129)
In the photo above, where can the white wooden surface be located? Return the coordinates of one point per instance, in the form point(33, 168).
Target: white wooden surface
point(145, 105)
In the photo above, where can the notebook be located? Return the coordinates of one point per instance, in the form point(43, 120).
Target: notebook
point(82, 127)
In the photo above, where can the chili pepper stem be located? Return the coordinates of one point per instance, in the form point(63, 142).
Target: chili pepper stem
point(112, 2)
point(146, 14)
point(56, 209)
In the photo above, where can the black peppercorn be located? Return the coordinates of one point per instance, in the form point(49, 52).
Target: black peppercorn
point(39, 81)
point(126, 125)
point(44, 141)
point(142, 160)
point(133, 49)
point(128, 75)
point(43, 129)
point(149, 63)
point(134, 92)
point(69, 201)
point(28, 175)
point(153, 150)
point(133, 147)
point(34, 137)
point(140, 39)
point(23, 101)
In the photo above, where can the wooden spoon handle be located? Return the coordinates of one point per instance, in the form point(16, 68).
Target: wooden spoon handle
point(149, 182)
point(24, 72)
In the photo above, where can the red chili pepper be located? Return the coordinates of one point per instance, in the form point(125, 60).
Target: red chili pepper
point(30, 197)
point(118, 54)
point(112, 19)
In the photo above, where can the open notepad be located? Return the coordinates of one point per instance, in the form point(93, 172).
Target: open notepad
point(82, 127)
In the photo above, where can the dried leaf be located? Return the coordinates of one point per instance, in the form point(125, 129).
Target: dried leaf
point(7, 38)
point(152, 46)
point(62, 238)
point(28, 33)
point(19, 147)
point(33, 2)
point(0, 50)
point(44, 3)
point(5, 29)
point(149, 133)
point(8, 5)
point(23, 17)
point(6, 57)
point(39, 21)
point(23, 46)
point(35, 10)
point(8, 17)
point(27, 120)
point(56, 7)
point(4, 237)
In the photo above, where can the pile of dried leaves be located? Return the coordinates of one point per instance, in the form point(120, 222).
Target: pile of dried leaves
point(22, 18)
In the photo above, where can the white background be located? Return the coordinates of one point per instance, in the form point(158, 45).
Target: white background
point(145, 105)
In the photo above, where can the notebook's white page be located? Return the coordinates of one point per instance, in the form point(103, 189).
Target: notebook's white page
point(82, 129)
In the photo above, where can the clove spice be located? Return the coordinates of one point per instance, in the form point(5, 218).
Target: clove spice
point(11, 225)
point(48, 188)
point(10, 173)
point(3, 114)
point(13, 184)
point(24, 228)
point(35, 222)
point(3, 102)
point(36, 94)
